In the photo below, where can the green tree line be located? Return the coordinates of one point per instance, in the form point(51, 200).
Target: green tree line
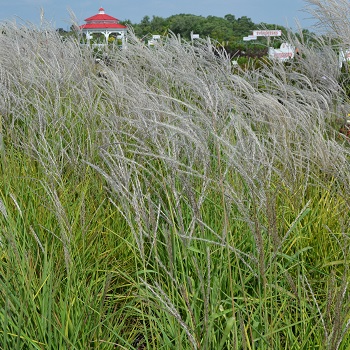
point(228, 30)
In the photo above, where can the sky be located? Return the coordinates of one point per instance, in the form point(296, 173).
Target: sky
point(58, 12)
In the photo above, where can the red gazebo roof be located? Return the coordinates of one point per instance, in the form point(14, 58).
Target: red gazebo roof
point(103, 21)
point(103, 26)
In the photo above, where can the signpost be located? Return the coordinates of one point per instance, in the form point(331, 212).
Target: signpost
point(284, 53)
point(267, 33)
point(194, 36)
point(249, 38)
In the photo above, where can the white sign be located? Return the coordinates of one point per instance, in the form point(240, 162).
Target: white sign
point(249, 37)
point(194, 36)
point(284, 53)
point(267, 32)
point(156, 37)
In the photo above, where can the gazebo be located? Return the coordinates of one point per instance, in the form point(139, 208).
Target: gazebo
point(102, 23)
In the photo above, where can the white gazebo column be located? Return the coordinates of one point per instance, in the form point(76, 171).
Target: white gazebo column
point(106, 35)
point(122, 36)
point(124, 40)
point(88, 37)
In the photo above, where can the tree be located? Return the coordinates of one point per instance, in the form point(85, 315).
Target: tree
point(184, 24)
point(158, 25)
point(243, 26)
point(144, 27)
point(230, 18)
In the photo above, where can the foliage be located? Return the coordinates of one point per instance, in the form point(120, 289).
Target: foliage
point(228, 31)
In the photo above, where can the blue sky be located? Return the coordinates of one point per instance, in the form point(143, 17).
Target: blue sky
point(284, 12)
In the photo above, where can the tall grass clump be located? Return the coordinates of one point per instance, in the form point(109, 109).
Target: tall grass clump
point(166, 199)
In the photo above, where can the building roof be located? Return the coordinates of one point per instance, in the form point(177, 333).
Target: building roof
point(102, 21)
point(103, 26)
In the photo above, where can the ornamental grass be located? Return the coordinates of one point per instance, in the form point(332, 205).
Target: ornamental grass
point(175, 201)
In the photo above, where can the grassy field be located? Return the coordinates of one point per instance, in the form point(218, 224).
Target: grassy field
point(169, 200)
